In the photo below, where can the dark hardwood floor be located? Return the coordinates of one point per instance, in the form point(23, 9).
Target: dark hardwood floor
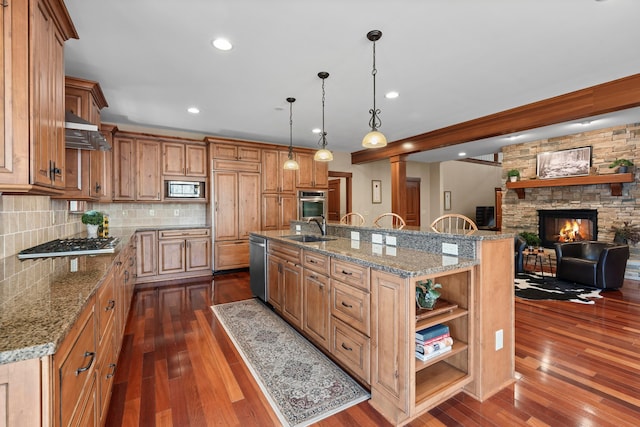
point(576, 365)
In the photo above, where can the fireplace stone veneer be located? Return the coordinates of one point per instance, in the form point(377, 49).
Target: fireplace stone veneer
point(567, 225)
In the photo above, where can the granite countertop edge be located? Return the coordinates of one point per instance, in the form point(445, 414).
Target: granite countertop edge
point(401, 266)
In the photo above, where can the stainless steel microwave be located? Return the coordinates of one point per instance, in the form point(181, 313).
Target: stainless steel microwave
point(184, 189)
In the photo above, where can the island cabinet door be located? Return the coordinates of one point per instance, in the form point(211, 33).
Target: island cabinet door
point(292, 293)
point(274, 275)
point(390, 344)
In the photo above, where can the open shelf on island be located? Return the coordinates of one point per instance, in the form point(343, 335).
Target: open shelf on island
point(429, 382)
point(441, 306)
point(458, 347)
point(615, 181)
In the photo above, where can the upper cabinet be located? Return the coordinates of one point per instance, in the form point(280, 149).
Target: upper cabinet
point(184, 160)
point(274, 178)
point(234, 151)
point(142, 163)
point(86, 176)
point(32, 156)
point(311, 174)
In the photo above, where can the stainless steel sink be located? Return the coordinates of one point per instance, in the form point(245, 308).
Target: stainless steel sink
point(308, 238)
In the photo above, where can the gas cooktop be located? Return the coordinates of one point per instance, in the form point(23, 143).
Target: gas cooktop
point(67, 247)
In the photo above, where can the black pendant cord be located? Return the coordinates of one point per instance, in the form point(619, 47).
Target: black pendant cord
point(323, 138)
point(291, 101)
point(374, 122)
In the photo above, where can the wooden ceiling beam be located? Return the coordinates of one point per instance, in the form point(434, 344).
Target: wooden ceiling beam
point(604, 98)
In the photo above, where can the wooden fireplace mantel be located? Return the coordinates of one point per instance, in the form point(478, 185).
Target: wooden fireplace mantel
point(615, 181)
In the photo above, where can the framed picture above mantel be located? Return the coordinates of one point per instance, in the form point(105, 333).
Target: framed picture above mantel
point(564, 163)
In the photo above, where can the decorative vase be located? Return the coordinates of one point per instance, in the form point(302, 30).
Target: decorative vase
point(623, 169)
point(92, 231)
point(513, 178)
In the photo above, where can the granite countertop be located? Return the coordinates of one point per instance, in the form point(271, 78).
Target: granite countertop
point(400, 261)
point(34, 323)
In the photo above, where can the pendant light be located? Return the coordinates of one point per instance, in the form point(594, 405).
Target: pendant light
point(323, 155)
point(291, 163)
point(374, 139)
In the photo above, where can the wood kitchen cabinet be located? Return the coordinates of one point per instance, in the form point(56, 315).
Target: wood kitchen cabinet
point(148, 180)
point(20, 385)
point(86, 170)
point(184, 160)
point(278, 210)
point(184, 251)
point(278, 191)
point(285, 269)
point(32, 156)
point(124, 169)
point(317, 295)
point(226, 150)
point(146, 254)
point(275, 179)
point(236, 212)
point(311, 174)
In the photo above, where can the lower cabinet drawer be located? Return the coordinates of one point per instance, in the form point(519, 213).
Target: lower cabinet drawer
point(351, 305)
point(231, 254)
point(352, 349)
point(76, 370)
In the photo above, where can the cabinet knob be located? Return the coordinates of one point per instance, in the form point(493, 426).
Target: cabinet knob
point(110, 306)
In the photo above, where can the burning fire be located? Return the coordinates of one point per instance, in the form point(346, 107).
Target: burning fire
point(570, 232)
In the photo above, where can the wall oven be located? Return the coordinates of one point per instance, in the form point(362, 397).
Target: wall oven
point(312, 204)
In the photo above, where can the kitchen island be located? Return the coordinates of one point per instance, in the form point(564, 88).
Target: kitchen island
point(356, 301)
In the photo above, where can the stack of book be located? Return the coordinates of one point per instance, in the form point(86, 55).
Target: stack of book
point(433, 341)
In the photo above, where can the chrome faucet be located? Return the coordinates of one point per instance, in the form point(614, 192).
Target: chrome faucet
point(322, 226)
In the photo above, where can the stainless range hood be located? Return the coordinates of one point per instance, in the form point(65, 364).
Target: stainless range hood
point(82, 134)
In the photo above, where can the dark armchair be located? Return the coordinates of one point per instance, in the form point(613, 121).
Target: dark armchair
point(595, 264)
point(518, 245)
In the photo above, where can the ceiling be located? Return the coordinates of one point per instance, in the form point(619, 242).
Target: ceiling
point(450, 60)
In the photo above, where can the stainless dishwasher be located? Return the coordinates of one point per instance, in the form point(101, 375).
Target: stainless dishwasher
point(258, 267)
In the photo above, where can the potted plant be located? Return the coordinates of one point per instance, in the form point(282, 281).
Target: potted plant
point(626, 233)
point(93, 220)
point(426, 293)
point(623, 165)
point(532, 239)
point(513, 175)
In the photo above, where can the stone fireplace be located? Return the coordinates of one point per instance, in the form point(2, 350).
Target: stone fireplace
point(567, 225)
point(521, 213)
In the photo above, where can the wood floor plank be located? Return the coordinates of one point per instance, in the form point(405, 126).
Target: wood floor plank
point(576, 365)
point(230, 384)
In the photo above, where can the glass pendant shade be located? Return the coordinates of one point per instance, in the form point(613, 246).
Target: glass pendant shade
point(323, 155)
point(374, 139)
point(291, 165)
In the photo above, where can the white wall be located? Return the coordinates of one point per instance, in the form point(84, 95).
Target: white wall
point(471, 185)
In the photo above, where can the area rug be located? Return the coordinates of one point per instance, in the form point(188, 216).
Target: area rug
point(302, 385)
point(535, 287)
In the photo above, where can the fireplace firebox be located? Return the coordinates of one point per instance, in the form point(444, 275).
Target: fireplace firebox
point(567, 225)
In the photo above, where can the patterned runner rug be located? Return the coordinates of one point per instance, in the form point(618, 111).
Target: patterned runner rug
point(302, 384)
point(535, 287)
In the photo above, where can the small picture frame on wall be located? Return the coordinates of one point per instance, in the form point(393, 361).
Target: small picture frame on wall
point(376, 191)
point(447, 200)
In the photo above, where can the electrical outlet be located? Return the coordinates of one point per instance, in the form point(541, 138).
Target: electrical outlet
point(355, 235)
point(124, 213)
point(73, 265)
point(152, 212)
point(376, 238)
point(450, 248)
point(298, 227)
point(391, 240)
point(499, 339)
point(53, 217)
point(176, 212)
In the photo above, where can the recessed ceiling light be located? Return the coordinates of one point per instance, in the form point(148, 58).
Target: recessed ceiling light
point(392, 95)
point(193, 110)
point(222, 44)
point(462, 153)
point(316, 130)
